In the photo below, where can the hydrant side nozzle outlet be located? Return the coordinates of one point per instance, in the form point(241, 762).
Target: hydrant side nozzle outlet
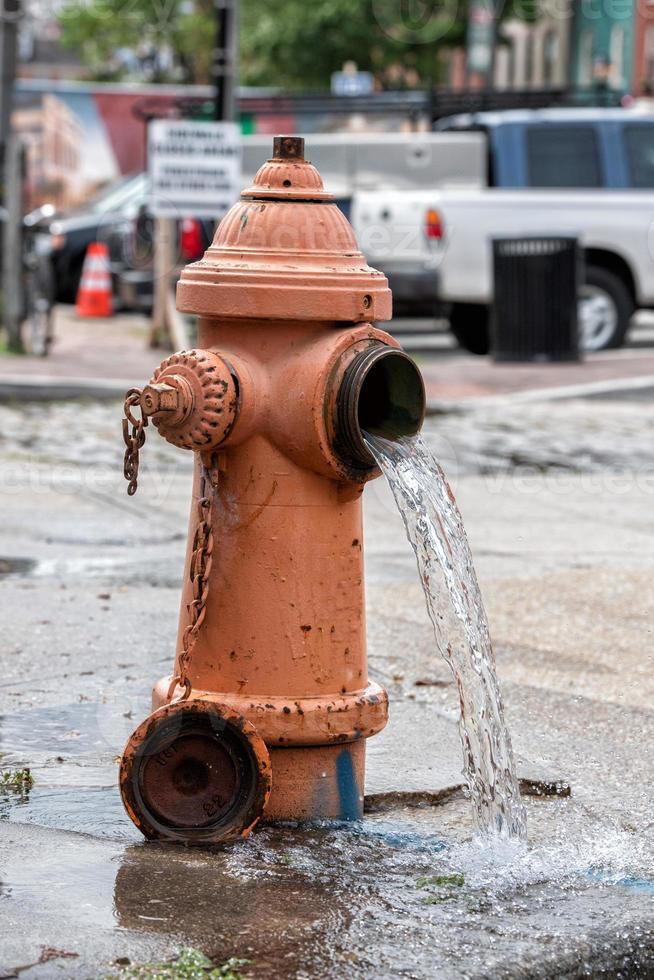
point(382, 393)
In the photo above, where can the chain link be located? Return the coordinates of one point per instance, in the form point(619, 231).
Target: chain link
point(202, 553)
point(199, 573)
point(133, 437)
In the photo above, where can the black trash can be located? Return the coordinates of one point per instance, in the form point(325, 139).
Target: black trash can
point(534, 314)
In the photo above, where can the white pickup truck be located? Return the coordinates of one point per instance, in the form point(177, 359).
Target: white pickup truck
point(589, 173)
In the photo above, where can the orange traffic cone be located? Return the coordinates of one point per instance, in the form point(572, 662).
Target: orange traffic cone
point(94, 297)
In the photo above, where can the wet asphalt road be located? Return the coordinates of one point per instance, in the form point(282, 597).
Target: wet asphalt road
point(557, 498)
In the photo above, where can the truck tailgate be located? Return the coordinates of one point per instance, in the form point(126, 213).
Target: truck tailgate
point(390, 228)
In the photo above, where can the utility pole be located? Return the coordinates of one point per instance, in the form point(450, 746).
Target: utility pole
point(481, 43)
point(225, 60)
point(9, 16)
point(11, 160)
point(166, 321)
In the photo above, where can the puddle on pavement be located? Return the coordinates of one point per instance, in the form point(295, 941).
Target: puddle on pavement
point(383, 897)
point(72, 753)
point(69, 729)
point(398, 893)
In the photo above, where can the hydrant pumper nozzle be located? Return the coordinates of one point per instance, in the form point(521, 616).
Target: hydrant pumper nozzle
point(269, 705)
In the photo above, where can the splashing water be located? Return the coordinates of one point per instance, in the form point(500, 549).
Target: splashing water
point(435, 529)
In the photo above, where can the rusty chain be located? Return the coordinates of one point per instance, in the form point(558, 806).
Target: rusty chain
point(133, 437)
point(202, 553)
point(199, 573)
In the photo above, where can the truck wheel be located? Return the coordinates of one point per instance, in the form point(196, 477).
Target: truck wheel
point(469, 324)
point(605, 309)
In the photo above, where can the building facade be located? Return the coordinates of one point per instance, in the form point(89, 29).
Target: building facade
point(53, 138)
point(533, 55)
point(643, 69)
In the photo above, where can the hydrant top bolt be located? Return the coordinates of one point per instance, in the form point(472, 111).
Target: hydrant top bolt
point(288, 148)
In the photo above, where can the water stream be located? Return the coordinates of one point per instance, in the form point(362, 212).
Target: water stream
point(435, 529)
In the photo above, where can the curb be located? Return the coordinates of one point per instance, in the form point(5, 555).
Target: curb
point(40, 387)
point(611, 388)
point(46, 388)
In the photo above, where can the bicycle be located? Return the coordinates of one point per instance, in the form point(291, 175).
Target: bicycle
point(38, 287)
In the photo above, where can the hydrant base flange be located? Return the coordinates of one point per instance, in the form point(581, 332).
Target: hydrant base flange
point(317, 748)
point(286, 721)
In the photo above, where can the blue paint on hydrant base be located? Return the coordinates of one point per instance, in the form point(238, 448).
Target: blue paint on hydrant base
point(351, 804)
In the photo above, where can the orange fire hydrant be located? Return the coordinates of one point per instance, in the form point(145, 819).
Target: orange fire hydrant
point(270, 704)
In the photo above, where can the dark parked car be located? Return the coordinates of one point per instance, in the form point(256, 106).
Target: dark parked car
point(119, 217)
point(131, 254)
point(72, 232)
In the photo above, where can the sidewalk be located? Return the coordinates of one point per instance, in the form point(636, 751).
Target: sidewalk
point(465, 377)
point(102, 358)
point(89, 357)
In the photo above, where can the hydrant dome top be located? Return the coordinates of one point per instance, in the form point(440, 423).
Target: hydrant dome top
point(287, 176)
point(285, 251)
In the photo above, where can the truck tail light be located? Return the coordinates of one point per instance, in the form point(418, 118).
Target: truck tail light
point(433, 225)
point(190, 239)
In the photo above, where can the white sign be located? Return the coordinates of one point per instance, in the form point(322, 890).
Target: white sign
point(353, 83)
point(194, 168)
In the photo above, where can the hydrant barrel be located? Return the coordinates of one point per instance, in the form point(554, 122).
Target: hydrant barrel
point(289, 376)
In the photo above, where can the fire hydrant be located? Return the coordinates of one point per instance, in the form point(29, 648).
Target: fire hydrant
point(269, 705)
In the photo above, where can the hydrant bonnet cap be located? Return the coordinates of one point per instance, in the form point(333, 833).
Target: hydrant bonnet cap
point(286, 252)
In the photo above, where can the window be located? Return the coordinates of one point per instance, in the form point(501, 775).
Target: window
point(585, 64)
point(617, 56)
point(551, 52)
point(639, 141)
point(563, 156)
